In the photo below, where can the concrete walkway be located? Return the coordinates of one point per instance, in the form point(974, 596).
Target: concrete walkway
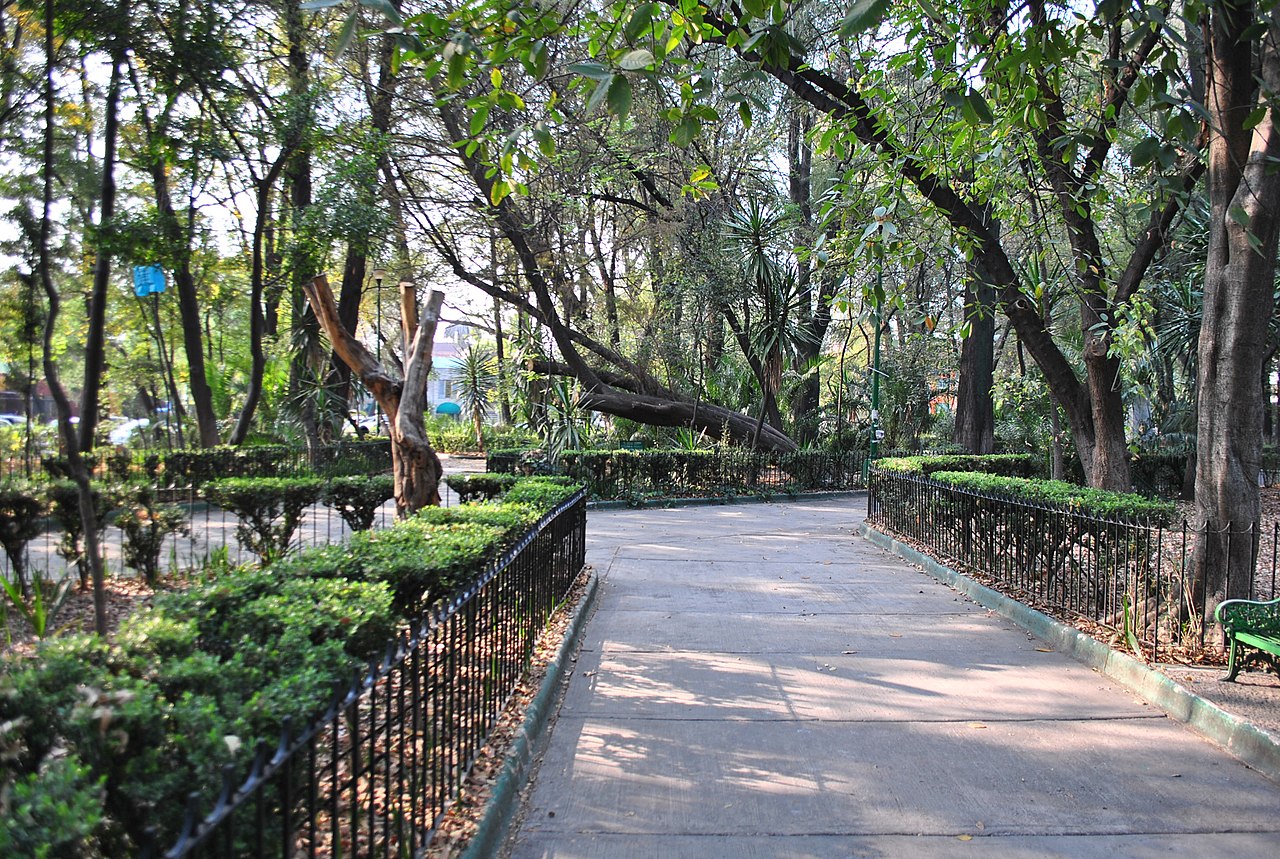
point(758, 682)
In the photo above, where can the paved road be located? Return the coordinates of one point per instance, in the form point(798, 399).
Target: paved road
point(758, 682)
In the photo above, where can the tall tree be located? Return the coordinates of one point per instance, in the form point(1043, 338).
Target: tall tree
point(1244, 193)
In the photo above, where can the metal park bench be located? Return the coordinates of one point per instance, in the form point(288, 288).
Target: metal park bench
point(1254, 628)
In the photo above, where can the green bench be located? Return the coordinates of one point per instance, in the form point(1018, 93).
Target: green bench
point(1254, 627)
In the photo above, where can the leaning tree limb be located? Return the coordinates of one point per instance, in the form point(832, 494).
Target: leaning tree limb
point(415, 466)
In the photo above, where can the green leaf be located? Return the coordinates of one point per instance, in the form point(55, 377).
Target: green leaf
point(597, 96)
point(1239, 215)
point(686, 131)
point(744, 113)
point(478, 119)
point(595, 71)
point(863, 16)
point(636, 60)
point(981, 109)
point(540, 59)
point(546, 143)
point(347, 35)
point(387, 8)
point(619, 95)
point(1255, 116)
point(317, 5)
point(1144, 151)
point(641, 20)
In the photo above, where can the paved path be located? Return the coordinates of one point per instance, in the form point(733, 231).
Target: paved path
point(758, 682)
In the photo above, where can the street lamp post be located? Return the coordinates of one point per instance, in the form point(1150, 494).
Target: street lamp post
point(378, 275)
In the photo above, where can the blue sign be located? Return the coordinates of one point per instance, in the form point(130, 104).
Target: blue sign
point(147, 279)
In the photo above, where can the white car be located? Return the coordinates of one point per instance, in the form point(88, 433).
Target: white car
point(122, 433)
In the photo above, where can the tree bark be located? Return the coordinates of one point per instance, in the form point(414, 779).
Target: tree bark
point(66, 430)
point(95, 360)
point(975, 410)
point(415, 466)
point(1244, 195)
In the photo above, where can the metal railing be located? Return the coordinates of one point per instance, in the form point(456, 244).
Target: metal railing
point(1130, 577)
point(632, 474)
point(182, 469)
point(375, 773)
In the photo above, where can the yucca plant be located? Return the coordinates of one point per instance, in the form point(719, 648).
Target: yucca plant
point(476, 383)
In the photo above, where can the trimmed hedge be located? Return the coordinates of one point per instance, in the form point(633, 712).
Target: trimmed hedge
point(544, 492)
point(1067, 496)
point(104, 740)
point(1007, 464)
point(357, 499)
point(269, 509)
point(479, 487)
point(636, 474)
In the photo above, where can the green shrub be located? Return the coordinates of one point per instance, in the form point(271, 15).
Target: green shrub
point(64, 506)
point(1080, 499)
point(269, 509)
point(542, 492)
point(357, 499)
point(146, 523)
point(483, 486)
point(422, 562)
point(21, 509)
point(53, 812)
point(515, 518)
point(1007, 464)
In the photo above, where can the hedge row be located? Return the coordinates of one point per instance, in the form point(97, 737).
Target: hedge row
point(1078, 499)
point(184, 468)
point(629, 473)
point(1003, 476)
point(105, 740)
point(1007, 464)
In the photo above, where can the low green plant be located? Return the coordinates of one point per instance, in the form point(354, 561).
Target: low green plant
point(40, 606)
point(542, 492)
point(1007, 464)
point(1079, 499)
point(52, 812)
point(482, 486)
point(64, 506)
point(269, 509)
point(146, 523)
point(21, 509)
point(358, 499)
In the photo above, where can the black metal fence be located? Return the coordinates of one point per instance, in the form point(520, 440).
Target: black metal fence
point(1130, 577)
point(626, 474)
point(210, 530)
point(374, 774)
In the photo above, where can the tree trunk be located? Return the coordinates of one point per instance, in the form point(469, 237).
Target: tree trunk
point(95, 361)
point(1244, 193)
point(975, 411)
point(257, 320)
point(415, 466)
point(79, 469)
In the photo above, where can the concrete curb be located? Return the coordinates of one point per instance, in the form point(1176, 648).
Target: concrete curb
point(723, 501)
point(500, 808)
point(1250, 744)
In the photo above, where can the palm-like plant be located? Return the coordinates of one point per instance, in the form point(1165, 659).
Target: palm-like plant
point(476, 383)
point(759, 236)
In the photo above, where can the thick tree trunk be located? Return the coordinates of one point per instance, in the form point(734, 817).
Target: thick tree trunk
point(415, 466)
point(975, 411)
point(1244, 193)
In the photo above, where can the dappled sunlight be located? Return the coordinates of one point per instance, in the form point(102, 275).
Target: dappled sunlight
point(741, 683)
